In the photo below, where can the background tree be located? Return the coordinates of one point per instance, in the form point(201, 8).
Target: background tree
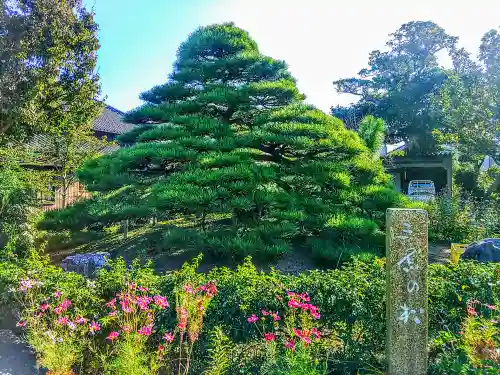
point(48, 53)
point(19, 189)
point(467, 107)
point(227, 148)
point(399, 83)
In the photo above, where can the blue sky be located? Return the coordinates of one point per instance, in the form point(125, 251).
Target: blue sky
point(321, 40)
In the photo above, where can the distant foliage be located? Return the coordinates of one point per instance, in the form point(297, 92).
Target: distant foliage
point(463, 218)
point(228, 147)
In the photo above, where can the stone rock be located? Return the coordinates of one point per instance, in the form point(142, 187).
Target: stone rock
point(85, 264)
point(487, 250)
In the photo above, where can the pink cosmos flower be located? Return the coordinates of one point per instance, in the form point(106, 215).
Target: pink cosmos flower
point(143, 302)
point(264, 312)
point(111, 304)
point(63, 320)
point(209, 288)
point(44, 306)
point(315, 315)
point(253, 319)
point(269, 336)
point(160, 301)
point(145, 331)
point(113, 336)
point(94, 327)
point(316, 333)
point(304, 297)
point(21, 323)
point(275, 316)
point(294, 304)
point(491, 307)
point(25, 284)
point(290, 345)
point(188, 289)
point(142, 289)
point(113, 313)
point(169, 337)
point(57, 294)
point(126, 306)
point(81, 320)
point(303, 335)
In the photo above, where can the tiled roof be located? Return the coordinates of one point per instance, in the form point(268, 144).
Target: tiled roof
point(110, 121)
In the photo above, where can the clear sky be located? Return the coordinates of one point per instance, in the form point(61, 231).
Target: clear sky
point(321, 40)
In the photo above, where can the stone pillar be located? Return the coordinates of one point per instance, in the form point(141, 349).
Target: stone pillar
point(407, 314)
point(125, 229)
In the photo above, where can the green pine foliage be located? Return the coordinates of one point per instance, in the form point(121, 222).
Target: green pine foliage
point(228, 144)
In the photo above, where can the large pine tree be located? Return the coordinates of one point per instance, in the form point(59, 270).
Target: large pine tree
point(228, 149)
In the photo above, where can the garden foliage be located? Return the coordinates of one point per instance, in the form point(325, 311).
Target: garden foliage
point(228, 146)
point(317, 322)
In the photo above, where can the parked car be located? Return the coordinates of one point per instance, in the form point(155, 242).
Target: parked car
point(422, 190)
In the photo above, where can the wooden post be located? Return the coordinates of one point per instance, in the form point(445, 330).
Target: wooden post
point(407, 300)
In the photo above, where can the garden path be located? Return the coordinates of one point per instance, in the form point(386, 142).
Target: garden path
point(15, 357)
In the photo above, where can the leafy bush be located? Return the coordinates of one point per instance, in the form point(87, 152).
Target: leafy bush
point(463, 218)
point(350, 301)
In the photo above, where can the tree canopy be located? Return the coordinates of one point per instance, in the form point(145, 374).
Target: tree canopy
point(425, 104)
point(48, 81)
point(230, 154)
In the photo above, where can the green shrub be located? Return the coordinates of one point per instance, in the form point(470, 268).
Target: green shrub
point(351, 301)
point(463, 218)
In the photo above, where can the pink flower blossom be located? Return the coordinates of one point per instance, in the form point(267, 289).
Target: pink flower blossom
point(21, 323)
point(188, 289)
point(94, 327)
point(113, 336)
point(169, 337)
point(264, 312)
point(63, 320)
point(143, 302)
point(294, 304)
point(290, 345)
point(44, 306)
point(491, 307)
point(316, 333)
point(111, 304)
point(145, 331)
point(269, 336)
point(160, 301)
point(275, 316)
point(253, 319)
point(125, 306)
point(26, 284)
point(81, 320)
point(142, 289)
point(305, 297)
point(209, 288)
point(57, 294)
point(303, 335)
point(113, 313)
point(315, 315)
